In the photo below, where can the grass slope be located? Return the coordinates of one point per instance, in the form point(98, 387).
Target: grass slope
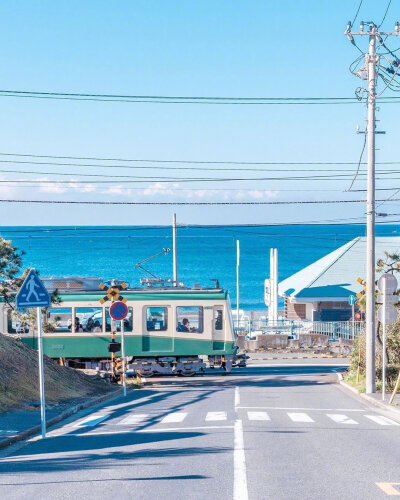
point(19, 377)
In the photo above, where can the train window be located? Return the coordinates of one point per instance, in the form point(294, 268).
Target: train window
point(218, 319)
point(128, 321)
point(88, 319)
point(156, 319)
point(19, 323)
point(189, 319)
point(59, 319)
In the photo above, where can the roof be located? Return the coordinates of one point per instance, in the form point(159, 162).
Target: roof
point(149, 295)
point(334, 277)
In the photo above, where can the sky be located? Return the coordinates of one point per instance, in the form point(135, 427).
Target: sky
point(227, 48)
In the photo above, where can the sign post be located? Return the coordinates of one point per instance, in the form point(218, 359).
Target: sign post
point(119, 311)
point(387, 314)
point(34, 294)
point(352, 301)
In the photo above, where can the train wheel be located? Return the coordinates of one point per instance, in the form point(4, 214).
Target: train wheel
point(188, 373)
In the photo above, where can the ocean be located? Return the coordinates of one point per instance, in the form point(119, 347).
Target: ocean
point(204, 252)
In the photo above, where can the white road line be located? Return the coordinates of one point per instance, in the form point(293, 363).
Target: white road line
point(133, 419)
point(300, 417)
point(237, 397)
point(174, 417)
point(381, 420)
point(239, 465)
point(215, 415)
point(304, 409)
point(341, 419)
point(258, 415)
point(91, 420)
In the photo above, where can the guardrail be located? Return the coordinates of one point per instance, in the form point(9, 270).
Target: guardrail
point(336, 330)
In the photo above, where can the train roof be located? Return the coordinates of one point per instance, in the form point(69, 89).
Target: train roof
point(151, 294)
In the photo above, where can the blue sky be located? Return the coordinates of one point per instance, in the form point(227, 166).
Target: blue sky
point(225, 48)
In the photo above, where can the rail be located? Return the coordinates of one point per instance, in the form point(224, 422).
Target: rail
point(336, 330)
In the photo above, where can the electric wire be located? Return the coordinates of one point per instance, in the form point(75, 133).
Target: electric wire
point(185, 203)
point(359, 161)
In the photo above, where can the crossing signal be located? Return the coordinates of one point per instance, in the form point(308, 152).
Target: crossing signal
point(114, 346)
point(364, 284)
point(119, 365)
point(363, 292)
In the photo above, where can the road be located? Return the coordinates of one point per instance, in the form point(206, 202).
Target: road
point(264, 432)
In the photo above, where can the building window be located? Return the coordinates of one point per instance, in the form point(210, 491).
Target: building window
point(189, 319)
point(156, 319)
point(128, 321)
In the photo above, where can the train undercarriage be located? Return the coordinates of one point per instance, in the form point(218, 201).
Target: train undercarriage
point(186, 366)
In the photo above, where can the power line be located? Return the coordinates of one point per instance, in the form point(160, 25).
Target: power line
point(356, 14)
point(195, 162)
point(184, 203)
point(359, 161)
point(387, 10)
point(185, 99)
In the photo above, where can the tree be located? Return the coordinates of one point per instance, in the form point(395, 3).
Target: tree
point(10, 267)
point(11, 281)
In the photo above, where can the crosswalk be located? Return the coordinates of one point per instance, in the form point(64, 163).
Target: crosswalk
point(280, 418)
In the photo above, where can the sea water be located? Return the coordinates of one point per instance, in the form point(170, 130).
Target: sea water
point(204, 252)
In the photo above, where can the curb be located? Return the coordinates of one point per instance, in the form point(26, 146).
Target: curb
point(67, 413)
point(374, 402)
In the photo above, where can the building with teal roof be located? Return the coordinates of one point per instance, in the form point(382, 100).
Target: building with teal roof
point(320, 291)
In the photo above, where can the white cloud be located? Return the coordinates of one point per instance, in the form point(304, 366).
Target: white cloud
point(117, 190)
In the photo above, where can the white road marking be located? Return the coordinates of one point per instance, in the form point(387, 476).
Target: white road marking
point(174, 417)
point(133, 419)
point(239, 465)
point(91, 420)
point(169, 429)
point(389, 488)
point(258, 415)
point(300, 417)
point(304, 409)
point(341, 419)
point(381, 420)
point(215, 415)
point(237, 397)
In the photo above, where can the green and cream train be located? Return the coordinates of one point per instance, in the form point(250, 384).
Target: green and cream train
point(168, 330)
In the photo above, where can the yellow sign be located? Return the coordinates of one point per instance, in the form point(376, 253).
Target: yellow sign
point(113, 292)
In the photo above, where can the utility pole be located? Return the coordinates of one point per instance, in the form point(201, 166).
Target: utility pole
point(237, 282)
point(371, 61)
point(174, 252)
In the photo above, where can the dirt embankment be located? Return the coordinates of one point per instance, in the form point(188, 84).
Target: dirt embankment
point(19, 378)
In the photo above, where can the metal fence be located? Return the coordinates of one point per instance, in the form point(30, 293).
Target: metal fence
point(334, 329)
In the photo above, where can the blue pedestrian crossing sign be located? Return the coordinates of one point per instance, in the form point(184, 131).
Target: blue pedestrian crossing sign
point(352, 300)
point(32, 293)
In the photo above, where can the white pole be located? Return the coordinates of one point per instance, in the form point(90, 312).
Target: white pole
point(237, 281)
point(276, 284)
point(271, 285)
point(384, 341)
point(353, 323)
point(123, 355)
point(370, 257)
point(174, 252)
point(41, 372)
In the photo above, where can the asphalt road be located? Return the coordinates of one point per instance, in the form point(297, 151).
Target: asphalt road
point(264, 432)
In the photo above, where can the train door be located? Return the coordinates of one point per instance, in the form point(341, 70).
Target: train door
point(218, 328)
point(158, 334)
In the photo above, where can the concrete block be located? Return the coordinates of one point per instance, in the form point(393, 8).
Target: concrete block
point(272, 341)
